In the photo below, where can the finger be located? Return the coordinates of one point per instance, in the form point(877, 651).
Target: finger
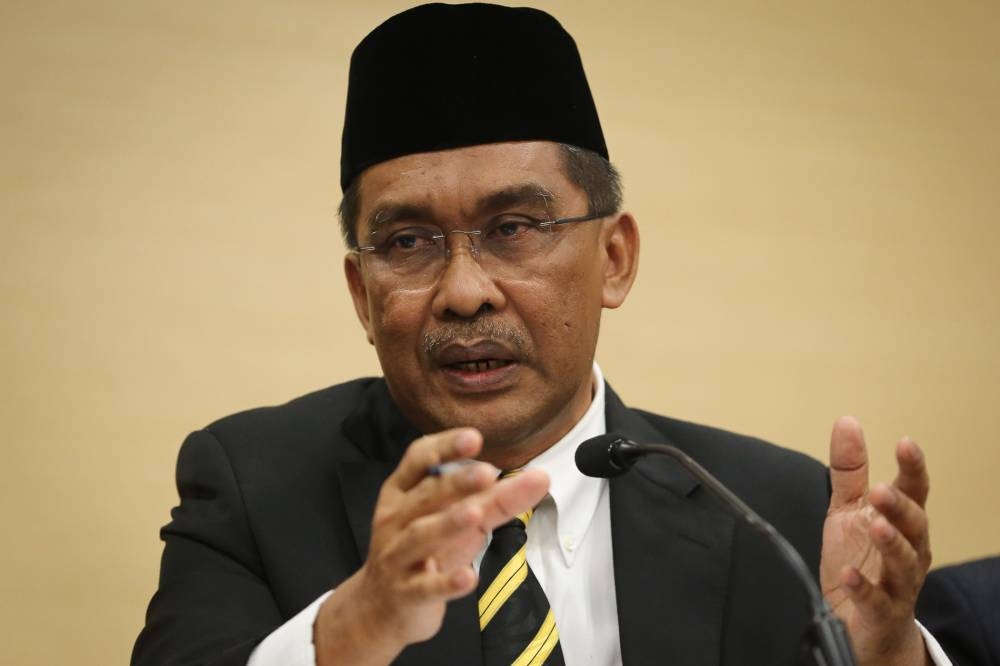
point(432, 584)
point(870, 600)
point(433, 493)
point(509, 497)
point(433, 450)
point(906, 516)
point(452, 537)
point(456, 534)
point(912, 478)
point(848, 463)
point(900, 576)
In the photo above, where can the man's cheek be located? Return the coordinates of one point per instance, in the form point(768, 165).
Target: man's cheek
point(401, 313)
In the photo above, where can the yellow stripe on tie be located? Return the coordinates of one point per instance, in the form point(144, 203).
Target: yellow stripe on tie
point(541, 645)
point(507, 581)
point(525, 517)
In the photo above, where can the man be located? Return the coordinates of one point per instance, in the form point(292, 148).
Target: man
point(486, 234)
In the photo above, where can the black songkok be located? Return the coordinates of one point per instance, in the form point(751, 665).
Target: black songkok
point(445, 76)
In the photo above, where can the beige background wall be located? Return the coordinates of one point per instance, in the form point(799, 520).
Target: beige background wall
point(817, 189)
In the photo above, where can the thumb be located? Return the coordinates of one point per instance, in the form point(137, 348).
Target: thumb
point(848, 462)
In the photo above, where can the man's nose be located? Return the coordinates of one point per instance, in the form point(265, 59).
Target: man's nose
point(465, 287)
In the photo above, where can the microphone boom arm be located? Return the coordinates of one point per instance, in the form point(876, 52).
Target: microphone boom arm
point(832, 646)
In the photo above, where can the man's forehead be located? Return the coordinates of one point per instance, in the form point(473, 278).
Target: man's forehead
point(541, 156)
point(469, 180)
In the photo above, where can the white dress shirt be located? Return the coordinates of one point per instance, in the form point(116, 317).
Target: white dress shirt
point(569, 546)
point(569, 551)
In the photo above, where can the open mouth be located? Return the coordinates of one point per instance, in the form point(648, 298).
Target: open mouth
point(480, 366)
point(484, 365)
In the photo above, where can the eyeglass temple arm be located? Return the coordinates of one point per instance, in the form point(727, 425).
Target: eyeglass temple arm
point(571, 220)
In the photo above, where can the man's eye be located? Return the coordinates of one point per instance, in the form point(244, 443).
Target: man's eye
point(403, 242)
point(409, 240)
point(512, 227)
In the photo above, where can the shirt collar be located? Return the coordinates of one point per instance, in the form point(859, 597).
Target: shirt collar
point(575, 496)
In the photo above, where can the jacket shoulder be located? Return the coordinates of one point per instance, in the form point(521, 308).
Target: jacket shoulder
point(785, 486)
point(307, 421)
point(725, 449)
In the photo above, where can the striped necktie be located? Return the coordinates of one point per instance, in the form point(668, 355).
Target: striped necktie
point(518, 627)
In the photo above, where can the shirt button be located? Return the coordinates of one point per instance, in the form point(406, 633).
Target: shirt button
point(569, 543)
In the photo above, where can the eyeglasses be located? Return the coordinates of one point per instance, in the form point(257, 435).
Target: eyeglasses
point(508, 246)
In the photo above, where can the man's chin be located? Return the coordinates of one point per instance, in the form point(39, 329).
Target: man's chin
point(500, 418)
point(505, 404)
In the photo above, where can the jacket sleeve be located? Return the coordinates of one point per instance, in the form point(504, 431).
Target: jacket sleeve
point(960, 606)
point(213, 604)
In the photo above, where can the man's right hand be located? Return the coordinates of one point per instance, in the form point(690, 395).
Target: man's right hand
point(425, 533)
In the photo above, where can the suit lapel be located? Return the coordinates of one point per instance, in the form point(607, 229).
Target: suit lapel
point(360, 481)
point(381, 434)
point(671, 553)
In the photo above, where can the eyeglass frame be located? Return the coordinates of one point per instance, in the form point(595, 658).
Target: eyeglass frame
point(470, 233)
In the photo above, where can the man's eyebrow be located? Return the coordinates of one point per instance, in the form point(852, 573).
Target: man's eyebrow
point(508, 197)
point(389, 213)
point(516, 195)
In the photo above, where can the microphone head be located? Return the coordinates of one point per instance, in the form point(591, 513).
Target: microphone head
point(602, 457)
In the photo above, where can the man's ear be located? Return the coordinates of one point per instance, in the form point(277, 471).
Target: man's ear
point(621, 246)
point(359, 293)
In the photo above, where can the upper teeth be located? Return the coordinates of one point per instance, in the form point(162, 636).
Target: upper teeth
point(480, 366)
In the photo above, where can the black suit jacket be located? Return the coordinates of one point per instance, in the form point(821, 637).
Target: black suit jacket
point(276, 506)
point(960, 606)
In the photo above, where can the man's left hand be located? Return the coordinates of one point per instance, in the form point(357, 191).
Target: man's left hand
point(876, 549)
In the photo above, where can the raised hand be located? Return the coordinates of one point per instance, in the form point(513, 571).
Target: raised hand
point(425, 533)
point(876, 549)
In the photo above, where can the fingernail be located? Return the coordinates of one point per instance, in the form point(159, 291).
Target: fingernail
point(465, 441)
point(910, 448)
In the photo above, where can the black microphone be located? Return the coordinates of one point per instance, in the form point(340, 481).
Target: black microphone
point(611, 455)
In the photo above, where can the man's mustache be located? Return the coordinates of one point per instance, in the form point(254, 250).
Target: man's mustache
point(486, 329)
